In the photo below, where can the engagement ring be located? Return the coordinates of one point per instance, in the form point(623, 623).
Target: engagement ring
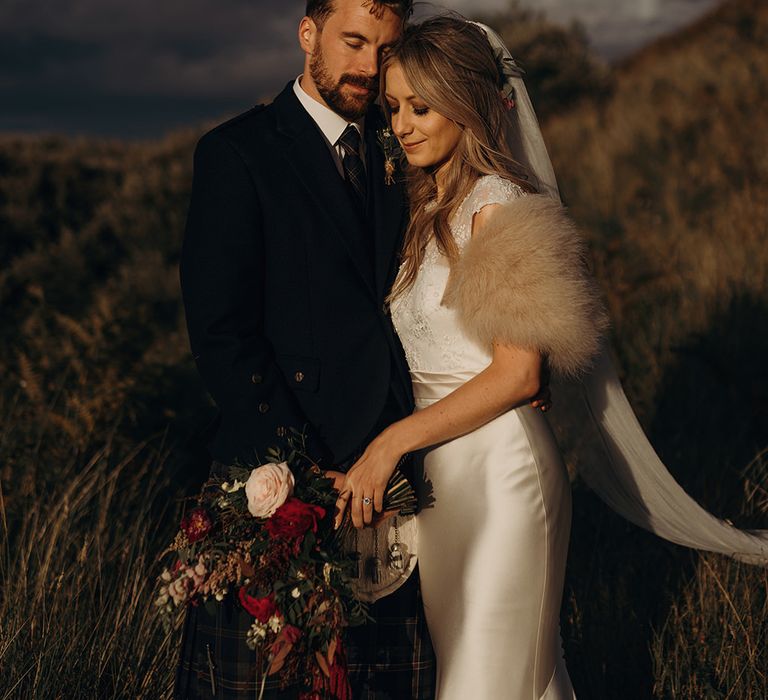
point(367, 501)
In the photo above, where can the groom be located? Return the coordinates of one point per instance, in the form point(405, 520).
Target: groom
point(289, 251)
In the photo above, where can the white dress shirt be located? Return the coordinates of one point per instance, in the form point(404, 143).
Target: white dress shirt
point(331, 125)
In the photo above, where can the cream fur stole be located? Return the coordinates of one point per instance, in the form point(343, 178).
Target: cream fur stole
point(522, 279)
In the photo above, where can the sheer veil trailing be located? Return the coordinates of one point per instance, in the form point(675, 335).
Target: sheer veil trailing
point(621, 465)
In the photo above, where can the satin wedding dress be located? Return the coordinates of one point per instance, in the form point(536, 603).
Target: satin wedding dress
point(494, 533)
point(493, 538)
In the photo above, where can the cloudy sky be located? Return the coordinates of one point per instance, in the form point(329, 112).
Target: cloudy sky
point(141, 68)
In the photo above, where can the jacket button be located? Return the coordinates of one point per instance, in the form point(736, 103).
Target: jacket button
point(256, 378)
point(263, 407)
point(299, 377)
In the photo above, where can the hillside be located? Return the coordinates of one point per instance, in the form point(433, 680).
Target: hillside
point(669, 178)
point(663, 161)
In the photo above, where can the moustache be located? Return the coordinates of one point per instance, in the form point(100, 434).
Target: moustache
point(371, 84)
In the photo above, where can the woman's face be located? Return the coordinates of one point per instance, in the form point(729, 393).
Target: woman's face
point(427, 137)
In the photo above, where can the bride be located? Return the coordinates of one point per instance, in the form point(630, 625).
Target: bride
point(493, 286)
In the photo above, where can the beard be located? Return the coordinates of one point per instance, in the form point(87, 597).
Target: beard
point(350, 107)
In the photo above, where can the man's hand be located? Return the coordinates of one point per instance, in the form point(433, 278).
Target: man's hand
point(543, 400)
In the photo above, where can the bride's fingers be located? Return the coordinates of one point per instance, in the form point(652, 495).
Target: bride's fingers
point(367, 510)
point(341, 506)
point(356, 510)
point(338, 478)
point(378, 500)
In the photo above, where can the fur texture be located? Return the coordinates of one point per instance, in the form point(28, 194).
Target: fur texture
point(523, 280)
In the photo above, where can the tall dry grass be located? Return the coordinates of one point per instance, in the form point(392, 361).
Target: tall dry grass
point(77, 560)
point(714, 640)
point(93, 360)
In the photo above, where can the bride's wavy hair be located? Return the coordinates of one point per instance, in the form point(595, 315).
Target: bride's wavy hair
point(450, 65)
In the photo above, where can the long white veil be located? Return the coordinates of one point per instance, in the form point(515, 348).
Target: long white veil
point(623, 468)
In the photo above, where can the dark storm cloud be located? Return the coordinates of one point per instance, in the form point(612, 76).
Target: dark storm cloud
point(22, 57)
point(140, 67)
point(195, 48)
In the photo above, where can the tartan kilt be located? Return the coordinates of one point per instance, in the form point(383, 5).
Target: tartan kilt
point(389, 658)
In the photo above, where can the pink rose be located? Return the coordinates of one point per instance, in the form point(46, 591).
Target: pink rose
point(267, 488)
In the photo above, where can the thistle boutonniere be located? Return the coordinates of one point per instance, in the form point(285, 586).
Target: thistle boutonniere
point(392, 153)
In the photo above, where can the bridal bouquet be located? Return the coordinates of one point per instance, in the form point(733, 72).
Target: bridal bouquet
point(265, 537)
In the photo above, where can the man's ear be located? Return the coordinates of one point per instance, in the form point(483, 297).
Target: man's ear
point(307, 35)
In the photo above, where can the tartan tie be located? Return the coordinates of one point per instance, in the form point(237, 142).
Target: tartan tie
point(354, 171)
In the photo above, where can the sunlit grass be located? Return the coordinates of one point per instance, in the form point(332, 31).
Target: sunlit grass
point(668, 177)
point(77, 561)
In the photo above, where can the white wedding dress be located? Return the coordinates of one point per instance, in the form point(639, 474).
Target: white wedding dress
point(493, 538)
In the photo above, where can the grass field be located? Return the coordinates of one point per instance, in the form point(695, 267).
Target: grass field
point(663, 160)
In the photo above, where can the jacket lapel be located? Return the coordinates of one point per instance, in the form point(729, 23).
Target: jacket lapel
point(308, 155)
point(386, 208)
point(387, 212)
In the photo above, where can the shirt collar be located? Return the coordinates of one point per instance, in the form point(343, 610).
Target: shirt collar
point(330, 123)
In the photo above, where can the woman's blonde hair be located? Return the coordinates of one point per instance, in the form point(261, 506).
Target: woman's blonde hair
point(450, 65)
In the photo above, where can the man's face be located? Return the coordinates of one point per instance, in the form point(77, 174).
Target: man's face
point(343, 58)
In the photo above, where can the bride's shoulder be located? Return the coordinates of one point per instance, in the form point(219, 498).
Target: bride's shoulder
point(493, 189)
point(487, 189)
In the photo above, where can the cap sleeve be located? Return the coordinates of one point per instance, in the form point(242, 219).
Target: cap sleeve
point(489, 189)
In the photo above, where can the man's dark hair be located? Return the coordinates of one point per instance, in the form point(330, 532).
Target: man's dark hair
point(321, 10)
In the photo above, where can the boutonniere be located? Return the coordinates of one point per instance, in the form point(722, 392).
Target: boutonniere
point(392, 153)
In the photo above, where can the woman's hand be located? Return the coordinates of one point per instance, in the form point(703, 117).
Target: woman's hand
point(367, 479)
point(338, 478)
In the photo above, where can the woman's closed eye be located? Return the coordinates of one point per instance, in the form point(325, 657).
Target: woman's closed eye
point(418, 111)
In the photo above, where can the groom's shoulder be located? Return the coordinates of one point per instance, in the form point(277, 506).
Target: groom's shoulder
point(243, 129)
point(255, 130)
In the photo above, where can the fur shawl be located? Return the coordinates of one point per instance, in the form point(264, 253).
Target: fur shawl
point(522, 279)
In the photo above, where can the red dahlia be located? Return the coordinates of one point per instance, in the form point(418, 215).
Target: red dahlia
point(196, 524)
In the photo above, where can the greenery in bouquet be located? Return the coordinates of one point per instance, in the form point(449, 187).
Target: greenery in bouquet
point(264, 539)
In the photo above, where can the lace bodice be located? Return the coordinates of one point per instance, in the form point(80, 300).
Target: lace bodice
point(430, 332)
